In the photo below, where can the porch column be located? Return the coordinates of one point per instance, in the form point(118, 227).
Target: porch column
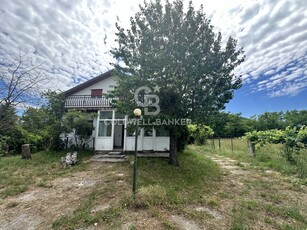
point(112, 132)
point(97, 130)
point(125, 133)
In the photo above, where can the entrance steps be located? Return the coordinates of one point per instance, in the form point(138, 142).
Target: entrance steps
point(116, 156)
point(110, 157)
point(114, 153)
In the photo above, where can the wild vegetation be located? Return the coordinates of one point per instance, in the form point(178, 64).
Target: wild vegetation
point(268, 156)
point(199, 133)
point(41, 127)
point(199, 193)
point(292, 139)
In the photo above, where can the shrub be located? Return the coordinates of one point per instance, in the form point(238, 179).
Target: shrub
point(199, 133)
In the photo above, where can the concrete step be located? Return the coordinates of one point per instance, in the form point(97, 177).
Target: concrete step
point(113, 156)
point(110, 160)
point(115, 153)
point(108, 156)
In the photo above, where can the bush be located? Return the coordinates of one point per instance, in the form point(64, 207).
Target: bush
point(199, 134)
point(293, 140)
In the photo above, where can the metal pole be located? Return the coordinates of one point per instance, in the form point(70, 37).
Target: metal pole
point(135, 159)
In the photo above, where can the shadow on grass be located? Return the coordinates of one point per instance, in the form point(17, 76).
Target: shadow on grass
point(188, 183)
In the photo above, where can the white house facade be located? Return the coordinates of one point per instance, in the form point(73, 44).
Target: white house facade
point(112, 131)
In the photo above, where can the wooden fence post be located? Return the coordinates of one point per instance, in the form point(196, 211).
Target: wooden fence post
point(219, 143)
point(231, 144)
point(212, 143)
point(251, 148)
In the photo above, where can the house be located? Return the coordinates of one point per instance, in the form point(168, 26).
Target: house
point(112, 131)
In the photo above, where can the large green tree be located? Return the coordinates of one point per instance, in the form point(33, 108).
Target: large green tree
point(42, 126)
point(177, 50)
point(271, 120)
point(295, 118)
point(8, 120)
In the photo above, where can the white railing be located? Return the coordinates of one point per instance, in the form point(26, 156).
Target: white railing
point(87, 102)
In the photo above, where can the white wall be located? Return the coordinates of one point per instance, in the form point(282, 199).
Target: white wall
point(130, 143)
point(162, 144)
point(105, 85)
point(104, 143)
point(148, 143)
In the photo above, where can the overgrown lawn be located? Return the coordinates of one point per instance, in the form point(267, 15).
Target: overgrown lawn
point(18, 175)
point(269, 156)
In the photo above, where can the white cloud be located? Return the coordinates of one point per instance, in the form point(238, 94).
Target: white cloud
point(273, 34)
point(74, 38)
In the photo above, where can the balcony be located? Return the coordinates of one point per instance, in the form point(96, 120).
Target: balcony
point(87, 102)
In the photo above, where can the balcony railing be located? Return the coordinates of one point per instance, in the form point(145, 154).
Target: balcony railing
point(87, 102)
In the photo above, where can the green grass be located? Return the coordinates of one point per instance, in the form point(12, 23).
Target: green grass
point(267, 199)
point(18, 175)
point(267, 157)
point(160, 188)
point(164, 190)
point(159, 181)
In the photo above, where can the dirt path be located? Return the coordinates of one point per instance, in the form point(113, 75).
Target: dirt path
point(251, 198)
point(39, 207)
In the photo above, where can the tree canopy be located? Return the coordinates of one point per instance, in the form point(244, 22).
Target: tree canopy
point(178, 51)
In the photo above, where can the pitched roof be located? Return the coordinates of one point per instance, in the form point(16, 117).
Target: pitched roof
point(88, 83)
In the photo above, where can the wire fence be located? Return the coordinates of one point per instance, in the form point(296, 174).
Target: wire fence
point(228, 144)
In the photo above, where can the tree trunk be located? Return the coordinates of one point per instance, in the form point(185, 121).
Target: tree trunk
point(26, 152)
point(173, 156)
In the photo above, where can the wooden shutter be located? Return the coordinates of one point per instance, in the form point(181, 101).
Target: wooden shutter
point(96, 92)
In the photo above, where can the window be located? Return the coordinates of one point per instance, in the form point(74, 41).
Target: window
point(106, 114)
point(105, 129)
point(96, 92)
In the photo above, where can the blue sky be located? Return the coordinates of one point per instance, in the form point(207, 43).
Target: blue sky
point(73, 39)
point(249, 104)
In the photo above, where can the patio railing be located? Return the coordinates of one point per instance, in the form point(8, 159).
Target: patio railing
point(88, 102)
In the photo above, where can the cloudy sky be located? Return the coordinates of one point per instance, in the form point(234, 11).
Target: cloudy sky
point(73, 38)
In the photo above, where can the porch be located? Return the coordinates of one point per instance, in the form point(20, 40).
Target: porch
point(114, 131)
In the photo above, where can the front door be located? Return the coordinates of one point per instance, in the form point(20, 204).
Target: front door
point(118, 135)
